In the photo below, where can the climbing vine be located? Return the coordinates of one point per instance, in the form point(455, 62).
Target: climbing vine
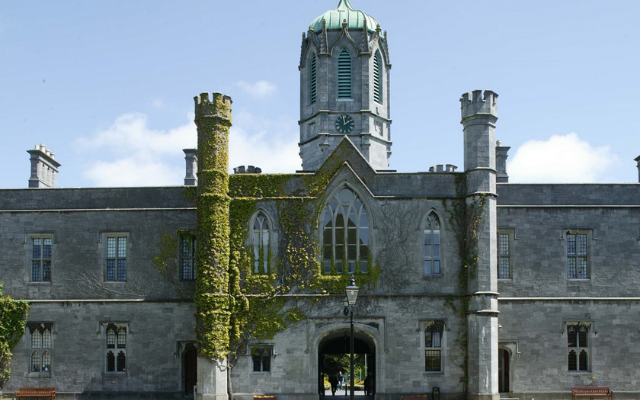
point(13, 314)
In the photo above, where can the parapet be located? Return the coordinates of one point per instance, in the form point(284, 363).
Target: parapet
point(218, 106)
point(477, 102)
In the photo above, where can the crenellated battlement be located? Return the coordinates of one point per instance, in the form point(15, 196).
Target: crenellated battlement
point(218, 105)
point(477, 102)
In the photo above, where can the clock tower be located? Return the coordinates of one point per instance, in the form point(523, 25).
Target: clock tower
point(344, 87)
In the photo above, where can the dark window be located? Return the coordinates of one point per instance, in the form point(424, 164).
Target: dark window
point(41, 259)
point(41, 344)
point(188, 257)
point(504, 256)
point(260, 239)
point(578, 344)
point(116, 343)
point(433, 332)
point(261, 357)
point(432, 245)
point(577, 256)
point(116, 258)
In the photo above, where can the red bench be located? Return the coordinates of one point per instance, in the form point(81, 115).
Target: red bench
point(49, 392)
point(591, 392)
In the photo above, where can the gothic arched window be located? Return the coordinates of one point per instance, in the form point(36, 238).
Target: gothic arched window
point(312, 77)
point(377, 77)
point(344, 74)
point(432, 245)
point(260, 244)
point(345, 236)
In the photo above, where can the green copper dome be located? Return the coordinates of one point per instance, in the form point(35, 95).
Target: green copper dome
point(345, 11)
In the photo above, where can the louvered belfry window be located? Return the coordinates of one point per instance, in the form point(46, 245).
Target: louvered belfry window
point(344, 74)
point(377, 78)
point(312, 78)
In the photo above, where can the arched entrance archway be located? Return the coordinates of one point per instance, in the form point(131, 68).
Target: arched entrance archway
point(333, 358)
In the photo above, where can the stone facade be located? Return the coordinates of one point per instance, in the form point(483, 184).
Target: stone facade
point(476, 287)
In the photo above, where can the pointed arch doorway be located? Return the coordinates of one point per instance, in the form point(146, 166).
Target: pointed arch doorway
point(333, 358)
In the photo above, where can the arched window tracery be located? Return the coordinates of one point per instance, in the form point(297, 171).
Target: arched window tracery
point(345, 236)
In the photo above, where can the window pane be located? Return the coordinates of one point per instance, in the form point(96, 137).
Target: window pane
point(432, 360)
point(36, 339)
point(111, 362)
point(582, 336)
point(436, 266)
point(256, 363)
point(581, 245)
point(571, 245)
point(122, 358)
point(581, 268)
point(584, 363)
point(122, 247)
point(35, 271)
point(35, 362)
point(111, 270)
point(46, 339)
point(46, 248)
point(427, 267)
point(46, 270)
point(111, 247)
point(46, 362)
point(37, 247)
point(111, 338)
point(573, 363)
point(122, 338)
point(571, 268)
point(122, 270)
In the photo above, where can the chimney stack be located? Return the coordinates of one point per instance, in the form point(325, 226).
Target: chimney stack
point(191, 159)
point(501, 163)
point(44, 168)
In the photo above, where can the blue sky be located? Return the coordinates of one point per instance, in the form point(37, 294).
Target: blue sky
point(108, 86)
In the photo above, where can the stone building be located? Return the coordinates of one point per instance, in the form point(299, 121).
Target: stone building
point(468, 283)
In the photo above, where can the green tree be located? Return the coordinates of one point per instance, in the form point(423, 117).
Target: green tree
point(13, 314)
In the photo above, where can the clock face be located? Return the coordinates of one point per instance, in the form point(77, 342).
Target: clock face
point(345, 123)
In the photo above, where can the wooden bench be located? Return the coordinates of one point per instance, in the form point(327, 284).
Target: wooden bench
point(415, 397)
point(591, 392)
point(49, 392)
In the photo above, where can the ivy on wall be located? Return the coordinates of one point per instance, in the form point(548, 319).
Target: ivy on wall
point(13, 315)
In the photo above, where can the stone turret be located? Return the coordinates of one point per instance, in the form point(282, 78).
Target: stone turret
point(44, 168)
point(213, 121)
point(479, 113)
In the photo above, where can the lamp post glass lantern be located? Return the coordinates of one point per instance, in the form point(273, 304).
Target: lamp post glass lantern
point(352, 296)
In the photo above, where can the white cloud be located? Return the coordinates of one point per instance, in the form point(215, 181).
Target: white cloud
point(129, 153)
point(260, 89)
point(561, 159)
point(269, 144)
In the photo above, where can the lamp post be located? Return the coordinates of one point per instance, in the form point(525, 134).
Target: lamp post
point(352, 296)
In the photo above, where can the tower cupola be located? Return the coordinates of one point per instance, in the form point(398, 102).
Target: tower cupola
point(344, 87)
point(333, 19)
